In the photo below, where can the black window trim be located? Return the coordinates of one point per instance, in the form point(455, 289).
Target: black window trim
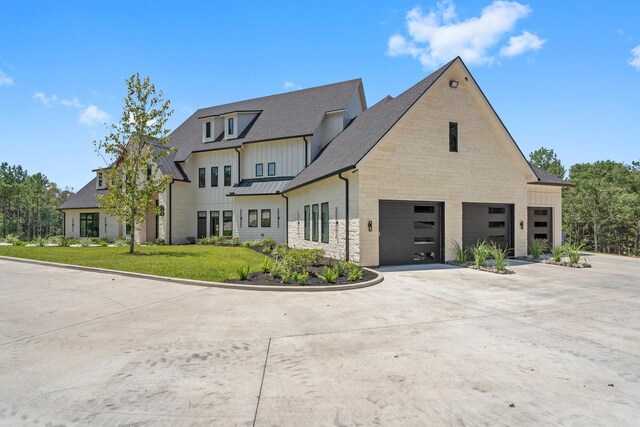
point(453, 137)
point(261, 169)
point(202, 177)
point(227, 176)
point(262, 218)
point(324, 222)
point(252, 212)
point(269, 169)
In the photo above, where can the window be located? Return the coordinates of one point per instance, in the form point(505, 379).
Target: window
point(540, 212)
point(314, 223)
point(214, 226)
point(207, 130)
point(149, 171)
point(100, 180)
point(429, 225)
point(253, 217)
point(496, 224)
point(324, 218)
point(230, 126)
point(259, 167)
point(271, 169)
point(201, 177)
point(89, 224)
point(227, 176)
point(307, 214)
point(424, 209)
point(453, 137)
point(540, 224)
point(227, 223)
point(496, 211)
point(202, 224)
point(127, 230)
point(214, 176)
point(540, 236)
point(423, 241)
point(265, 218)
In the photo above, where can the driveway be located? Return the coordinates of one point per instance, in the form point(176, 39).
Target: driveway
point(428, 347)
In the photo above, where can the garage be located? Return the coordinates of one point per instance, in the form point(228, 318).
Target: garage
point(411, 232)
point(491, 223)
point(539, 224)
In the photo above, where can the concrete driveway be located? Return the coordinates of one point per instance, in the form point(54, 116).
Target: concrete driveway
point(442, 346)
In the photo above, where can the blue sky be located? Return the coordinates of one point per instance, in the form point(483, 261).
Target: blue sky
point(560, 74)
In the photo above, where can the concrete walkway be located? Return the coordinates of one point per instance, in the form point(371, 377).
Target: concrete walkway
point(438, 346)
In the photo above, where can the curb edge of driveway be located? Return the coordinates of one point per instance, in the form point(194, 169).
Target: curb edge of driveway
point(205, 283)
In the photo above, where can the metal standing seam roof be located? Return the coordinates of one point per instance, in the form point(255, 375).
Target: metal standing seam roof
point(255, 187)
point(285, 115)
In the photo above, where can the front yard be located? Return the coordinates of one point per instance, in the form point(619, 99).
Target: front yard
point(212, 263)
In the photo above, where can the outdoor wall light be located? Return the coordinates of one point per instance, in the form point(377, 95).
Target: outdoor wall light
point(521, 225)
point(370, 225)
point(453, 83)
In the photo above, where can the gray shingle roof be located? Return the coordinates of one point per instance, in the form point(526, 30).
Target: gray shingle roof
point(350, 146)
point(547, 178)
point(84, 198)
point(285, 115)
point(253, 187)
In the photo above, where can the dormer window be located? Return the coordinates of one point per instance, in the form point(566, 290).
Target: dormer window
point(230, 126)
point(100, 180)
point(207, 130)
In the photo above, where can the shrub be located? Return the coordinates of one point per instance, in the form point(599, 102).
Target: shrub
point(300, 260)
point(149, 243)
point(278, 267)
point(280, 250)
point(85, 241)
point(235, 241)
point(246, 244)
point(191, 240)
point(537, 247)
point(340, 267)
point(55, 240)
point(574, 252)
point(9, 238)
point(268, 244)
point(303, 278)
point(500, 256)
point(557, 252)
point(121, 242)
point(354, 272)
point(104, 243)
point(459, 253)
point(39, 241)
point(266, 265)
point(160, 241)
point(17, 242)
point(328, 275)
point(67, 241)
point(288, 276)
point(480, 253)
point(243, 272)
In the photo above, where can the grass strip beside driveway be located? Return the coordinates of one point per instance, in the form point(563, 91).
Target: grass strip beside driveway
point(211, 263)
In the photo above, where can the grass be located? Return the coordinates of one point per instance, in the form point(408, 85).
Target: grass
point(212, 263)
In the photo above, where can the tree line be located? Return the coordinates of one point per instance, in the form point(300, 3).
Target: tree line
point(29, 203)
point(601, 211)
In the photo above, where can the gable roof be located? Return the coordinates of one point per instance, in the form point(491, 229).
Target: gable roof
point(367, 129)
point(285, 115)
point(84, 198)
point(547, 178)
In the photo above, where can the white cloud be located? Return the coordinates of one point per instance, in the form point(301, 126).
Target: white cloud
point(5, 80)
point(92, 115)
point(291, 86)
point(521, 44)
point(75, 103)
point(439, 35)
point(634, 61)
point(44, 100)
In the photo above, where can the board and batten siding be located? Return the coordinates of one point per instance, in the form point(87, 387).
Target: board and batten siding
point(72, 224)
point(332, 191)
point(275, 203)
point(546, 196)
point(288, 155)
point(413, 162)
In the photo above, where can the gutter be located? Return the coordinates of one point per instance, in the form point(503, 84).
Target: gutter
point(306, 151)
point(170, 213)
point(286, 219)
point(346, 214)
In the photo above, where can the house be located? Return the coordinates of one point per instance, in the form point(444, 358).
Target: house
point(396, 183)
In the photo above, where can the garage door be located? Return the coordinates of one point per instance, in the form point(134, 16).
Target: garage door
point(411, 232)
point(539, 224)
point(492, 223)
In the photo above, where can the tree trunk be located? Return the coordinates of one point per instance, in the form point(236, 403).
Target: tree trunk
point(595, 237)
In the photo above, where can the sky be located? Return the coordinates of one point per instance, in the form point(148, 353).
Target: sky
point(560, 74)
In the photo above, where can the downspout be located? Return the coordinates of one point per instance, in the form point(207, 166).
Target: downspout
point(170, 213)
point(346, 214)
point(286, 219)
point(238, 151)
point(64, 225)
point(306, 151)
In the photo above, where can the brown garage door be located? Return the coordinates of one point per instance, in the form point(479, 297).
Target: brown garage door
point(539, 224)
point(491, 223)
point(411, 232)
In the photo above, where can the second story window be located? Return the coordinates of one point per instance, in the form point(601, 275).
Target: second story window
point(271, 169)
point(214, 176)
point(207, 130)
point(201, 178)
point(453, 137)
point(259, 171)
point(227, 176)
point(230, 126)
point(100, 181)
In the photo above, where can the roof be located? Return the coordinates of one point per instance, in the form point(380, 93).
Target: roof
point(286, 115)
point(261, 186)
point(169, 167)
point(547, 178)
point(367, 129)
point(84, 198)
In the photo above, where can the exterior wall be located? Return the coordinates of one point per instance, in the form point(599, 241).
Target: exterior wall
point(277, 204)
point(288, 156)
point(243, 121)
point(413, 162)
point(355, 107)
point(332, 124)
point(545, 196)
point(182, 211)
point(331, 190)
point(72, 224)
point(163, 220)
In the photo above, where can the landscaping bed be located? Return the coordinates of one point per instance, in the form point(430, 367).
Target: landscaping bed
point(565, 255)
point(265, 279)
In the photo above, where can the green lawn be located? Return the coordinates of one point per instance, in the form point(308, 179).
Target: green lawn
point(213, 263)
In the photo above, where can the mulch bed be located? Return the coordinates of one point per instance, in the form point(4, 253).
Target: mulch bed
point(487, 268)
point(562, 263)
point(264, 279)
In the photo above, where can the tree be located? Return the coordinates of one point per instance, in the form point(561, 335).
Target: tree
point(134, 146)
point(547, 159)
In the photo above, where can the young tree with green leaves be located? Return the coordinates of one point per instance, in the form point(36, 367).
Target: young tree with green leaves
point(134, 146)
point(547, 159)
